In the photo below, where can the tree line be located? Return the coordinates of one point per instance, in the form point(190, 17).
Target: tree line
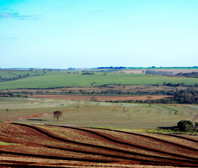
point(189, 75)
point(152, 72)
point(20, 76)
point(188, 96)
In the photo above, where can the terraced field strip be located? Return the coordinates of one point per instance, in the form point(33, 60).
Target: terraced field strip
point(128, 144)
point(159, 137)
point(66, 143)
point(51, 135)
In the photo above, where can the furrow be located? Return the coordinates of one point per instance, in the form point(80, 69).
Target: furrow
point(170, 160)
point(129, 144)
point(157, 139)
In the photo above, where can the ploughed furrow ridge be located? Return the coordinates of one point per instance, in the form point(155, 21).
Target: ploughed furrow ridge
point(57, 157)
point(177, 136)
point(169, 161)
point(106, 148)
point(154, 138)
point(129, 144)
point(135, 153)
point(139, 161)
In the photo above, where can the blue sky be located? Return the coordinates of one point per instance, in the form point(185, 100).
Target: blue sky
point(93, 33)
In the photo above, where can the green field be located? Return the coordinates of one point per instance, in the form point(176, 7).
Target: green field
point(98, 114)
point(63, 79)
point(16, 73)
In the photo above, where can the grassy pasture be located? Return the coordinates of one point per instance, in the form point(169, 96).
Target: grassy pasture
point(63, 79)
point(90, 114)
point(15, 73)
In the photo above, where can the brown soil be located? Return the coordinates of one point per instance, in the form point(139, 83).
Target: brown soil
point(64, 146)
point(175, 71)
point(128, 88)
point(101, 98)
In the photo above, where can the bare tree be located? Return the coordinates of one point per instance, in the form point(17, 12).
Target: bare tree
point(57, 114)
point(149, 100)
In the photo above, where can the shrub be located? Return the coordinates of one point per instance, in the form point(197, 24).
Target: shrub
point(185, 125)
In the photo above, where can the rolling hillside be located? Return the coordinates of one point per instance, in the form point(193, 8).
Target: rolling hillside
point(63, 79)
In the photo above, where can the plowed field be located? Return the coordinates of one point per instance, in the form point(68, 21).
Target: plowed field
point(65, 146)
point(101, 98)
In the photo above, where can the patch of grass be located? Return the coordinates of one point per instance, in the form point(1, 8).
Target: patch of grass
point(168, 131)
point(6, 143)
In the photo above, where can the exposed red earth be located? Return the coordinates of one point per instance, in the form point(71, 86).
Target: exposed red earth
point(66, 146)
point(100, 98)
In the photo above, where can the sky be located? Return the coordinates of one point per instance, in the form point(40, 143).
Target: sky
point(95, 33)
